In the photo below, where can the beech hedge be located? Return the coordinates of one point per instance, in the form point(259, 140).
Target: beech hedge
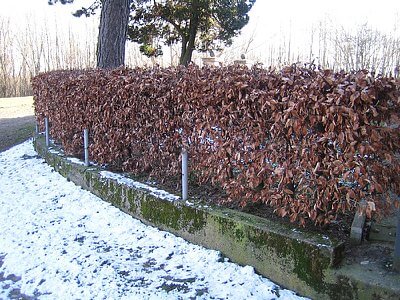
point(310, 143)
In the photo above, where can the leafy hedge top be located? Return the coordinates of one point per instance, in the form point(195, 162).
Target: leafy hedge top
point(310, 143)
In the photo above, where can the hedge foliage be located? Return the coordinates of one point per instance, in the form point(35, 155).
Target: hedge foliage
point(310, 143)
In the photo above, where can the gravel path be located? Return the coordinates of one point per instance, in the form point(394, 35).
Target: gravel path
point(16, 121)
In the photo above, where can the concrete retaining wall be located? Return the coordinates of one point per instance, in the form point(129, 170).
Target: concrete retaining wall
point(293, 258)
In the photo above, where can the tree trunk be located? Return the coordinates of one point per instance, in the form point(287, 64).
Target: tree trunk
point(183, 50)
point(187, 49)
point(186, 56)
point(112, 33)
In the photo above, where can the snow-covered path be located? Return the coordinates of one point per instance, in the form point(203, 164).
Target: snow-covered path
point(58, 241)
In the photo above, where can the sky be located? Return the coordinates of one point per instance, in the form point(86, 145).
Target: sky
point(271, 21)
point(267, 16)
point(380, 14)
point(274, 21)
point(348, 12)
point(61, 242)
point(40, 8)
point(23, 12)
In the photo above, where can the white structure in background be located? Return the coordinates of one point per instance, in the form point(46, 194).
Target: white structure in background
point(243, 61)
point(211, 60)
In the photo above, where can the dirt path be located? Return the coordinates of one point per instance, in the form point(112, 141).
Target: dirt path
point(17, 122)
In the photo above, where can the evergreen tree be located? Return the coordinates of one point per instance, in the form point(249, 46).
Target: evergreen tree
point(197, 24)
point(201, 25)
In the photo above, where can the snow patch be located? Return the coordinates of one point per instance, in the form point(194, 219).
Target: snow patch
point(132, 183)
point(61, 242)
point(75, 160)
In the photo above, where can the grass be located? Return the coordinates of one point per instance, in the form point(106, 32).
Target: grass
point(16, 121)
point(16, 107)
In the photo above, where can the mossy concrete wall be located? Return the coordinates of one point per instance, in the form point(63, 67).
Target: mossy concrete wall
point(293, 258)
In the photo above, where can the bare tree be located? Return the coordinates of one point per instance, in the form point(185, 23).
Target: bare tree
point(366, 49)
point(6, 68)
point(26, 51)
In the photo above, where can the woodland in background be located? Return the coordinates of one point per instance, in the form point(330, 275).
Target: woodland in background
point(26, 52)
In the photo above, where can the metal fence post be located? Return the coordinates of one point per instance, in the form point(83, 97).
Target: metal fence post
point(86, 146)
point(396, 260)
point(184, 174)
point(46, 124)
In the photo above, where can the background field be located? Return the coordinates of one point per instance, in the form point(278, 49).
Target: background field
point(17, 122)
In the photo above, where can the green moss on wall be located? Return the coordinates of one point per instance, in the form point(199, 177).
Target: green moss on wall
point(175, 216)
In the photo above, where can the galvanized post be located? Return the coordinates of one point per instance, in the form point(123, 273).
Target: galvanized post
point(396, 260)
point(184, 174)
point(86, 146)
point(46, 124)
point(36, 128)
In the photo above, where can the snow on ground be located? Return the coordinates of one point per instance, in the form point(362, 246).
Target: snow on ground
point(58, 241)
